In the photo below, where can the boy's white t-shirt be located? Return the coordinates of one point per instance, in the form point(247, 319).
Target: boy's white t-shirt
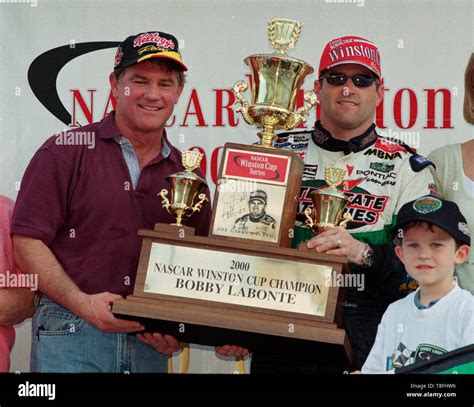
point(408, 335)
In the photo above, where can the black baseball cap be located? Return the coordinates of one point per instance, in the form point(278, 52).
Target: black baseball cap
point(436, 211)
point(152, 44)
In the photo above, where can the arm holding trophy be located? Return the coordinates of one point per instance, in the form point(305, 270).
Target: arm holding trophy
point(186, 197)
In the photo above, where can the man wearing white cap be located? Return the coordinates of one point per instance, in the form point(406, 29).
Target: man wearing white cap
point(380, 176)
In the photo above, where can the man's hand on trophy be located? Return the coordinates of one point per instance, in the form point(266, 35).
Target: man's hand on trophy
point(95, 309)
point(165, 344)
point(232, 350)
point(338, 241)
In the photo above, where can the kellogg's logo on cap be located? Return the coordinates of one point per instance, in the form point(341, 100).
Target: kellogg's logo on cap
point(140, 47)
point(351, 50)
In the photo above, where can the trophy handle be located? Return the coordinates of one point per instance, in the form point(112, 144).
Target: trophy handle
point(299, 116)
point(347, 218)
point(239, 87)
point(197, 207)
point(309, 220)
point(165, 202)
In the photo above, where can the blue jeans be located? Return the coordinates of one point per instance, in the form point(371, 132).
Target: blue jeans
point(63, 342)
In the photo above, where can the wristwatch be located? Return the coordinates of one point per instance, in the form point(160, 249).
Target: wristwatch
point(368, 256)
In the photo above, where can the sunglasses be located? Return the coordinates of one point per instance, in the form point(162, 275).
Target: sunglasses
point(338, 79)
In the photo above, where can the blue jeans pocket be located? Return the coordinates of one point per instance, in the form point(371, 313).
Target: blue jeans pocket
point(54, 320)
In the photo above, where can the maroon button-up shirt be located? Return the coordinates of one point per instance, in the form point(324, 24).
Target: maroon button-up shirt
point(81, 203)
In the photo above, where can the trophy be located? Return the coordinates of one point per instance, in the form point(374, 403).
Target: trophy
point(248, 170)
point(277, 79)
point(243, 283)
point(328, 204)
point(185, 186)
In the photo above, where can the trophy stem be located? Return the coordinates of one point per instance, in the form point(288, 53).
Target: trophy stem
point(179, 217)
point(267, 135)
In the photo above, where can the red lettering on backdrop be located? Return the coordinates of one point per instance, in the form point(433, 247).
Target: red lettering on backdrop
point(215, 161)
point(431, 107)
point(232, 120)
point(171, 120)
point(88, 113)
point(194, 100)
point(397, 108)
point(379, 113)
point(110, 101)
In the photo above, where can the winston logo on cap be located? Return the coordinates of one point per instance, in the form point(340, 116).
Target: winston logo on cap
point(427, 204)
point(155, 39)
point(354, 51)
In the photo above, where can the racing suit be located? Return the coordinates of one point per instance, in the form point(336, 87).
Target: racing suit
point(381, 175)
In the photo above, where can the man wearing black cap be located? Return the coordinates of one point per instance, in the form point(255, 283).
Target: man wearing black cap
point(257, 221)
point(432, 237)
point(79, 209)
point(380, 176)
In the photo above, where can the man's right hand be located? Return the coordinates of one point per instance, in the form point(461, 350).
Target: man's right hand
point(165, 344)
point(95, 309)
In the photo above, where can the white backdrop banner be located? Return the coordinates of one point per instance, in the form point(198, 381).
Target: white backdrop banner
point(56, 56)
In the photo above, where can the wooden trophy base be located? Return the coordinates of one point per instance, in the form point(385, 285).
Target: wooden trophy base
point(209, 319)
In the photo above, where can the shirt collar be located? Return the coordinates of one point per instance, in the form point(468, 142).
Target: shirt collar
point(325, 140)
point(108, 129)
point(419, 305)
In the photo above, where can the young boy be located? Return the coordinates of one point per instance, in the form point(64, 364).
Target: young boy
point(432, 236)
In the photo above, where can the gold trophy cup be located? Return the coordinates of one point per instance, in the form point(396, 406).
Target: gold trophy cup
point(328, 204)
point(185, 186)
point(277, 79)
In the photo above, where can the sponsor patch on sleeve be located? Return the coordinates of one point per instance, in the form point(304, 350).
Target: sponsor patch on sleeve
point(418, 162)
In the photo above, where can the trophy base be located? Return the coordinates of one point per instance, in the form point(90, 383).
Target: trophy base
point(256, 335)
point(212, 291)
point(174, 229)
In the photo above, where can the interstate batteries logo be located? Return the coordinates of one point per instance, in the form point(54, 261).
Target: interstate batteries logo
point(365, 208)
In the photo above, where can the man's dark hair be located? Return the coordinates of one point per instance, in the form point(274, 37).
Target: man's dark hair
point(415, 223)
point(167, 64)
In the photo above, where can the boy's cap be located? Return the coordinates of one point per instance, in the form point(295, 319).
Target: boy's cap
point(350, 50)
point(140, 47)
point(436, 211)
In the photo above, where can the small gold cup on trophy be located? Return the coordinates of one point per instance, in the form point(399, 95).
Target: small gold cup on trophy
point(185, 186)
point(277, 79)
point(328, 204)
